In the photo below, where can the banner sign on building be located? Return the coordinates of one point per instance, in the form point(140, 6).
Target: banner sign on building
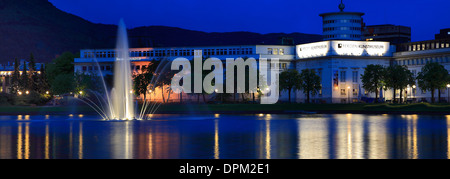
point(343, 48)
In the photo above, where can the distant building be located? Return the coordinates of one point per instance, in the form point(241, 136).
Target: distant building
point(395, 34)
point(342, 25)
point(339, 60)
point(444, 34)
point(6, 72)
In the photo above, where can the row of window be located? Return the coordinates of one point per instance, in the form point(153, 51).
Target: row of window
point(354, 89)
point(275, 51)
point(342, 21)
point(423, 61)
point(341, 28)
point(355, 76)
point(426, 46)
point(282, 66)
point(231, 51)
point(95, 68)
point(343, 36)
point(163, 53)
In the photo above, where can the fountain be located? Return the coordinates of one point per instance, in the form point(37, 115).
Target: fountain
point(118, 104)
point(122, 101)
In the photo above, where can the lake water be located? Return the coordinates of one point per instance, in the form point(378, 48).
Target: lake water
point(318, 136)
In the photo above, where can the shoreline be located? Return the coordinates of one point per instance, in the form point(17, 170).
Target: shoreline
point(199, 109)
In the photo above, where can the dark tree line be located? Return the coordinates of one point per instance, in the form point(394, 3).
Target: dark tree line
point(432, 77)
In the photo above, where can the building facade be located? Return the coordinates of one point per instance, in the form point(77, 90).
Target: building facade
point(6, 72)
point(395, 34)
point(339, 60)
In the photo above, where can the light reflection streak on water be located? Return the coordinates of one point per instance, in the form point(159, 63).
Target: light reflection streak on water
point(23, 141)
point(216, 139)
point(448, 136)
point(47, 141)
point(377, 138)
point(313, 141)
point(313, 136)
point(19, 141)
point(349, 136)
point(80, 141)
point(268, 141)
point(150, 145)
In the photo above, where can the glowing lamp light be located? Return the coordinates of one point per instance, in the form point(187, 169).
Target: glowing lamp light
point(20, 92)
point(81, 92)
point(414, 86)
point(47, 92)
point(27, 92)
point(448, 86)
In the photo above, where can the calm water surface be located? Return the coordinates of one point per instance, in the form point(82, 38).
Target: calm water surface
point(341, 136)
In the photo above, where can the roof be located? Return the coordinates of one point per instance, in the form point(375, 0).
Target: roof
point(341, 13)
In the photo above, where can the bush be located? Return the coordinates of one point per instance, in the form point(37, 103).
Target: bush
point(6, 99)
point(33, 98)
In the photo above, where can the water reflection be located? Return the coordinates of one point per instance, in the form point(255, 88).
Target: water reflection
point(218, 136)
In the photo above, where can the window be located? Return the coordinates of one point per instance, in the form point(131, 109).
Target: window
point(355, 90)
point(281, 51)
point(84, 68)
point(320, 91)
point(270, 51)
point(343, 74)
point(343, 92)
point(275, 51)
point(108, 68)
point(355, 76)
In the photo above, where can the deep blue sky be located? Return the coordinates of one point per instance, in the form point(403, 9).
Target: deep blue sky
point(262, 16)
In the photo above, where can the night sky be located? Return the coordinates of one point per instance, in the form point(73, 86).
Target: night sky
point(262, 16)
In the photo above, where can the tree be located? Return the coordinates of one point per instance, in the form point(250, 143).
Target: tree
point(290, 80)
point(142, 81)
point(399, 77)
point(61, 66)
point(310, 83)
point(63, 84)
point(163, 77)
point(33, 76)
point(433, 76)
point(24, 82)
point(43, 85)
point(372, 79)
point(14, 87)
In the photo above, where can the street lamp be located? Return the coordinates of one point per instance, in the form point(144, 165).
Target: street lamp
point(408, 90)
point(414, 92)
point(448, 93)
point(348, 91)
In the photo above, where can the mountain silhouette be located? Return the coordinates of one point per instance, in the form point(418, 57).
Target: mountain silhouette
point(38, 27)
